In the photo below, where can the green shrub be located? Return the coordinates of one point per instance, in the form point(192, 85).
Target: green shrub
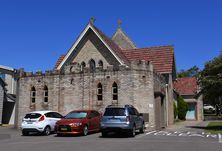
point(182, 108)
point(175, 110)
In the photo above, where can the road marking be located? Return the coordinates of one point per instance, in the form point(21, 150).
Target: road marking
point(197, 135)
point(219, 138)
point(186, 134)
point(150, 132)
point(212, 135)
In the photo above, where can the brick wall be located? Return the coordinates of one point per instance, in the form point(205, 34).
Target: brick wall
point(78, 90)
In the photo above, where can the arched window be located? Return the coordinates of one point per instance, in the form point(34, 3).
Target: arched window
point(46, 94)
point(71, 68)
point(115, 91)
point(83, 65)
point(33, 95)
point(100, 63)
point(72, 81)
point(92, 65)
point(99, 92)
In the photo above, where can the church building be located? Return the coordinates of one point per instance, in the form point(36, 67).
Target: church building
point(98, 71)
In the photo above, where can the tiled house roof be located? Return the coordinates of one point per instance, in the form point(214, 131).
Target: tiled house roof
point(186, 86)
point(161, 57)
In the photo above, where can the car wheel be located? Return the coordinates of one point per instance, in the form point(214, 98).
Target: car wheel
point(59, 135)
point(211, 110)
point(47, 130)
point(24, 133)
point(133, 131)
point(85, 130)
point(104, 134)
point(142, 129)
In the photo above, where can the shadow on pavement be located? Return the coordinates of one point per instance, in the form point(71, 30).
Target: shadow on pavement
point(206, 128)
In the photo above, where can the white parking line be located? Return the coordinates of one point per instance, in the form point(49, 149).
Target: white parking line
point(186, 134)
point(219, 138)
point(150, 132)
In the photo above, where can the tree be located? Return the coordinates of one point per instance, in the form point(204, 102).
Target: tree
point(182, 108)
point(193, 71)
point(210, 80)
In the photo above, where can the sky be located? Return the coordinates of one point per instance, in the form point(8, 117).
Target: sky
point(33, 34)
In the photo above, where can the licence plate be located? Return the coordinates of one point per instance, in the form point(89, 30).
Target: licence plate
point(29, 122)
point(114, 120)
point(64, 129)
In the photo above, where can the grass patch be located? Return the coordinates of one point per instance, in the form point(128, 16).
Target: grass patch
point(214, 127)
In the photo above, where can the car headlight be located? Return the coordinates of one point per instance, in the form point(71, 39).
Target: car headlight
point(75, 124)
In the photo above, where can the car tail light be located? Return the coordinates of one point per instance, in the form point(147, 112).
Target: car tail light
point(128, 119)
point(42, 118)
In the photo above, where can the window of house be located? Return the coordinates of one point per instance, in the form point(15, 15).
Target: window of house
point(100, 63)
point(33, 95)
point(99, 92)
point(83, 65)
point(46, 94)
point(92, 65)
point(115, 91)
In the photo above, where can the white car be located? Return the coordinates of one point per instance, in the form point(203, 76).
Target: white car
point(40, 121)
point(208, 108)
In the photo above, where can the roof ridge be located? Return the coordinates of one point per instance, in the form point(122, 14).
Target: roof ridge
point(153, 47)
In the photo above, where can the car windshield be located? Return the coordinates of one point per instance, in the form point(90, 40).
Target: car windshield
point(115, 112)
point(32, 115)
point(76, 115)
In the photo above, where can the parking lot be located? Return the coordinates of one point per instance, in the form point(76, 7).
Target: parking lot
point(11, 139)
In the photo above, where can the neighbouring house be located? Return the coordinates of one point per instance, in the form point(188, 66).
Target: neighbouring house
point(188, 88)
point(8, 95)
point(98, 71)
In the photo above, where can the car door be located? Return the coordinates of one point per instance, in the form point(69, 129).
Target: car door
point(50, 120)
point(91, 123)
point(96, 119)
point(139, 119)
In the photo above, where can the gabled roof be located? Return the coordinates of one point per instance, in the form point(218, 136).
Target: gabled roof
point(161, 57)
point(59, 61)
point(113, 48)
point(112, 45)
point(186, 85)
point(123, 40)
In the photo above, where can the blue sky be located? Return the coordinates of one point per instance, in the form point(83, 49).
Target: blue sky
point(33, 34)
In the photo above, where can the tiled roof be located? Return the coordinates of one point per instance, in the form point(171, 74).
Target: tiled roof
point(59, 61)
point(161, 57)
point(186, 86)
point(112, 45)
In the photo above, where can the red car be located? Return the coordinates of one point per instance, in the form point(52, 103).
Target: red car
point(79, 122)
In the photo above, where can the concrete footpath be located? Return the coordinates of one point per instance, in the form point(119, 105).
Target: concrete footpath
point(188, 126)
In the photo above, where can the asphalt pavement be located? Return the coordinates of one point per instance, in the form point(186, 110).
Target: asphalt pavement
point(164, 140)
